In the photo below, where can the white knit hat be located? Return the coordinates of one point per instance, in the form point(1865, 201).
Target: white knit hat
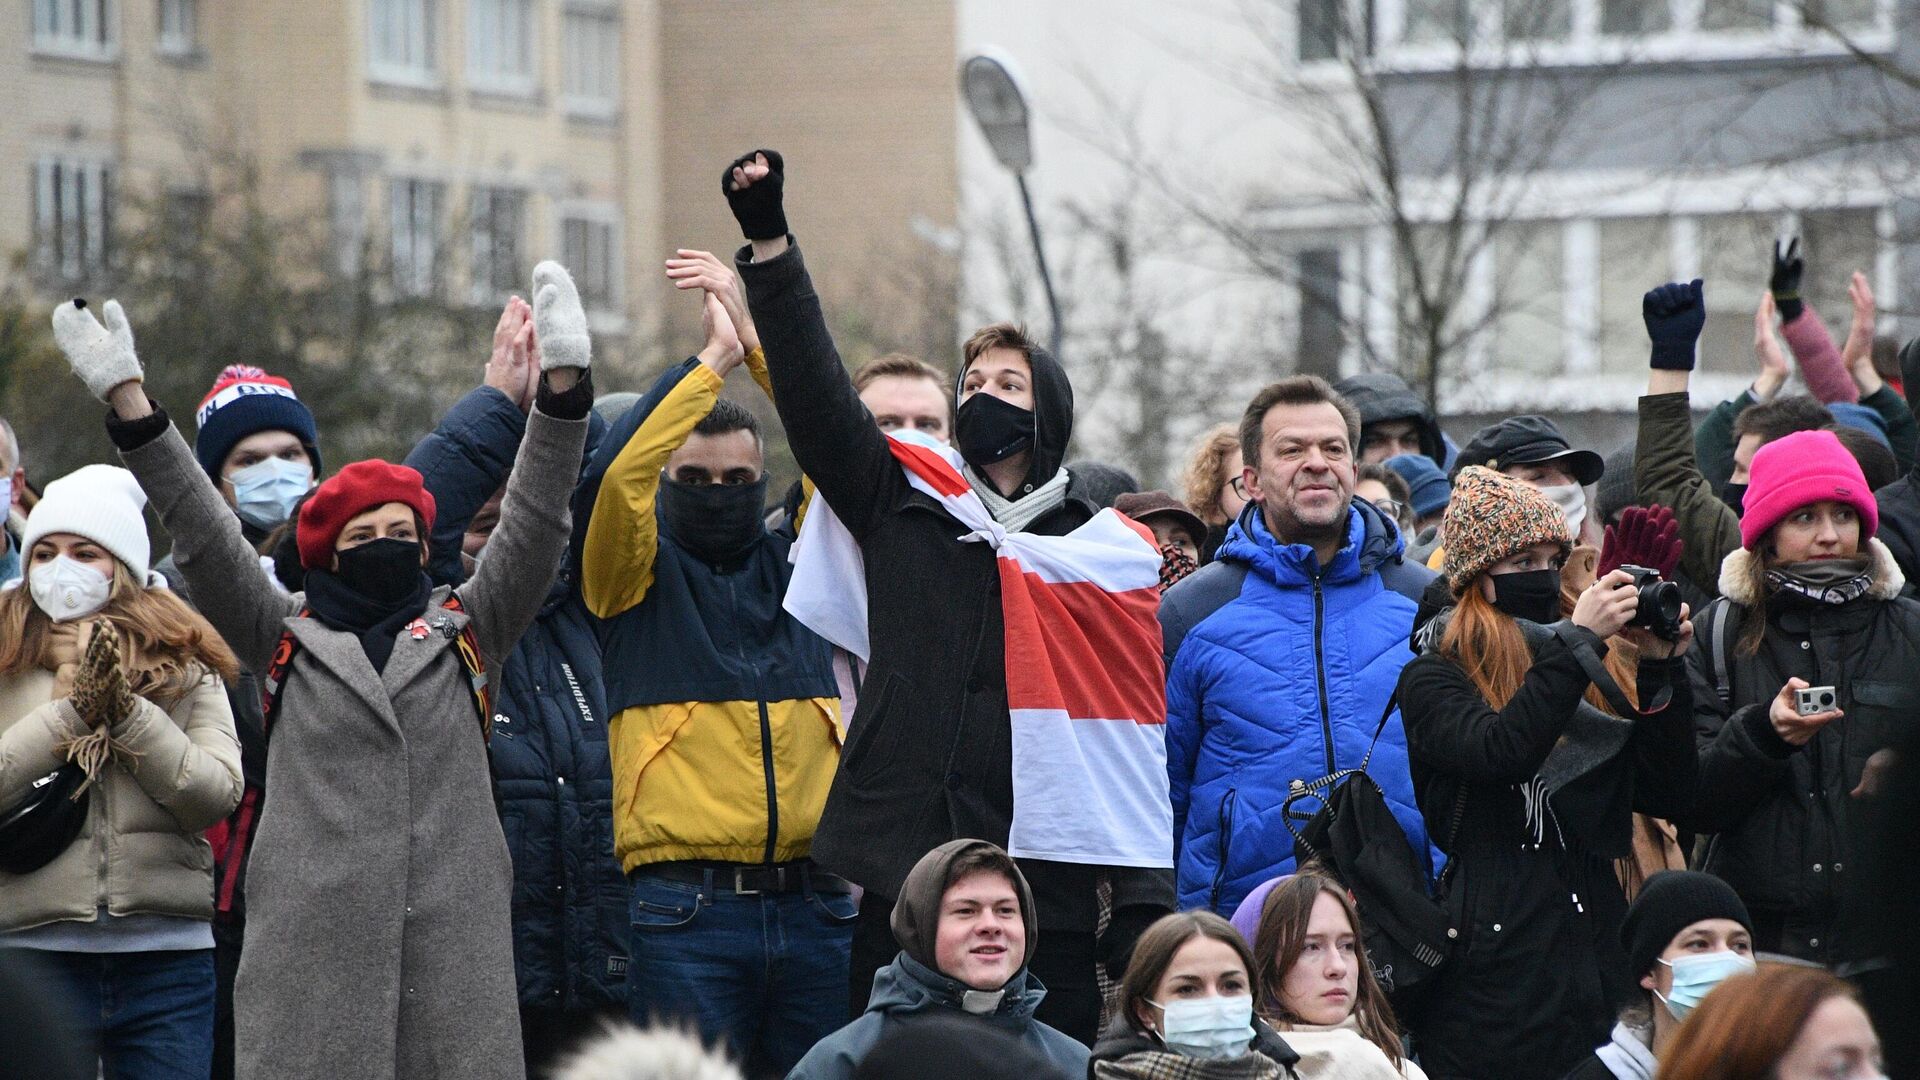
point(102, 503)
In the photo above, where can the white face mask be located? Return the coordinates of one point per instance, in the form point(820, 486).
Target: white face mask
point(265, 492)
point(1209, 1027)
point(67, 590)
point(1572, 501)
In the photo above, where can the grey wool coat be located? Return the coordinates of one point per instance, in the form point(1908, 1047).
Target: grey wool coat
point(379, 940)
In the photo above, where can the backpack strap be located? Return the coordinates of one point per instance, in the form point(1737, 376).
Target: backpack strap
point(1716, 617)
point(246, 816)
point(468, 649)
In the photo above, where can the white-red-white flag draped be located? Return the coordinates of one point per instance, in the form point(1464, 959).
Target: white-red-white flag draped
point(1086, 687)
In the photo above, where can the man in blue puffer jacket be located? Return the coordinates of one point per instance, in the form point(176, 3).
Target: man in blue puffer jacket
point(552, 777)
point(1283, 653)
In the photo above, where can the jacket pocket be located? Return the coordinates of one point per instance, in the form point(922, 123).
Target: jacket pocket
point(1879, 710)
point(872, 743)
point(1227, 806)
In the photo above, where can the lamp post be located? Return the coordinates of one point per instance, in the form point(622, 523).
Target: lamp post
point(994, 97)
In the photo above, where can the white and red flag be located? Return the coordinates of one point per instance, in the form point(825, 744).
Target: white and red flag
point(1086, 686)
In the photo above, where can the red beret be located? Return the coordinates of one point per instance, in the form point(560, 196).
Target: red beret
point(350, 492)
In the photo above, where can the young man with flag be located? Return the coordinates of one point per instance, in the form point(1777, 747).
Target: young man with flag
point(1004, 683)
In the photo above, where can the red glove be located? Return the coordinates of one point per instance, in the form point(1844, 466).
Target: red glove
point(1646, 536)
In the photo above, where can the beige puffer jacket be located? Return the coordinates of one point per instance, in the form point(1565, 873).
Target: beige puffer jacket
point(141, 850)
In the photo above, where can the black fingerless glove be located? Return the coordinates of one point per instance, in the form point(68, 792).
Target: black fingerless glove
point(1788, 267)
point(757, 208)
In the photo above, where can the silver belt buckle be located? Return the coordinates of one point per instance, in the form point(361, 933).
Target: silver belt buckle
point(740, 889)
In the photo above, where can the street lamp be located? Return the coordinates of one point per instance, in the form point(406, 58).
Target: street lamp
point(998, 105)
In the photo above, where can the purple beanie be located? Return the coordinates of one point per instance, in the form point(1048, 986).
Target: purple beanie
point(1246, 917)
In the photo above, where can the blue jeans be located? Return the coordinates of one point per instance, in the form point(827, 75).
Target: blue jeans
point(766, 972)
point(142, 1015)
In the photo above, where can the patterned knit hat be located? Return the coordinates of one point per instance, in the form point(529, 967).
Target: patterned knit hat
point(246, 401)
point(1493, 516)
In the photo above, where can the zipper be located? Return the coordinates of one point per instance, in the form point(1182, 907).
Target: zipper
point(1320, 668)
point(1226, 846)
point(766, 726)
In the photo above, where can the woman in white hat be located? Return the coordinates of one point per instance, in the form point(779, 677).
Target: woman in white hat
point(107, 674)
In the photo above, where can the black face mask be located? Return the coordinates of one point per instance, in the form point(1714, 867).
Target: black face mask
point(1735, 496)
point(1533, 595)
point(987, 429)
point(385, 571)
point(714, 522)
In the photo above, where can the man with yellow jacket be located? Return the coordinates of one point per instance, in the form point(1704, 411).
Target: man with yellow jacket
point(726, 722)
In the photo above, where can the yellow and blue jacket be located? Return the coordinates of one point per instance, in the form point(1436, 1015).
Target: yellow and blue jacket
point(726, 725)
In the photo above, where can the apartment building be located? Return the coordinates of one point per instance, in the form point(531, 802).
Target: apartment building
point(1652, 140)
point(450, 144)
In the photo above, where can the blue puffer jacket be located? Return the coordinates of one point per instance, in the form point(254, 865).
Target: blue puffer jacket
point(1278, 670)
point(552, 776)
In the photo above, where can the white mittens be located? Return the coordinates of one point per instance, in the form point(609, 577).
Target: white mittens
point(559, 322)
point(102, 356)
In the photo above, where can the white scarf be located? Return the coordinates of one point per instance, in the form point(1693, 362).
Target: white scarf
point(1340, 1052)
point(1015, 516)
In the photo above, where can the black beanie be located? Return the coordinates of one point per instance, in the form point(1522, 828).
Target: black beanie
point(1669, 902)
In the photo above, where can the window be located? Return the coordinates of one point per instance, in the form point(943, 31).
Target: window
point(1635, 255)
point(1835, 244)
point(1319, 30)
point(88, 29)
point(347, 222)
point(72, 217)
point(1630, 17)
point(1736, 14)
point(415, 225)
point(592, 47)
point(179, 27)
point(500, 46)
point(1537, 20)
point(590, 247)
point(401, 41)
point(1735, 256)
point(1323, 335)
point(1529, 313)
point(1839, 14)
point(497, 217)
point(1436, 22)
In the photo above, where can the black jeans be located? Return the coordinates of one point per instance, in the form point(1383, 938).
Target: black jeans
point(1064, 965)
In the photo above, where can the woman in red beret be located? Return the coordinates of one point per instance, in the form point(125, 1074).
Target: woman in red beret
point(378, 931)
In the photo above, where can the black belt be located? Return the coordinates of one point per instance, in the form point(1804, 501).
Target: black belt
point(750, 879)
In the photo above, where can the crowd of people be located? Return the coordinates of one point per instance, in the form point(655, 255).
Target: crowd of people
point(566, 748)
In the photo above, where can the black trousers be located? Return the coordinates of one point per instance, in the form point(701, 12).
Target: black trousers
point(549, 1036)
point(1064, 964)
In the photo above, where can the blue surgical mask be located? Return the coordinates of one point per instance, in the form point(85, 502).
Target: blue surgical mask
point(265, 492)
point(1695, 976)
point(1208, 1027)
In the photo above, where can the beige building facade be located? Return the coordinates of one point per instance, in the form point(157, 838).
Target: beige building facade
point(447, 145)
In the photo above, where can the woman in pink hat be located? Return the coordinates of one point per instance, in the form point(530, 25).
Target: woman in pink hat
point(1810, 669)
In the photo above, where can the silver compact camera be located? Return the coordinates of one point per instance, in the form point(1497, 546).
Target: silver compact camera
point(1815, 699)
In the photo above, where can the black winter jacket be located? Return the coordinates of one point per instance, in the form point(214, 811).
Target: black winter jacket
point(552, 778)
point(1900, 522)
point(1538, 973)
point(1788, 834)
point(929, 756)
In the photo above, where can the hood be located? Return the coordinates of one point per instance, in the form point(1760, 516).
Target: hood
point(1388, 397)
point(908, 986)
point(1052, 416)
point(916, 914)
point(1736, 582)
point(1373, 541)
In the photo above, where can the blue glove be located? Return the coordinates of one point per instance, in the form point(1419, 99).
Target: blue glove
point(1675, 314)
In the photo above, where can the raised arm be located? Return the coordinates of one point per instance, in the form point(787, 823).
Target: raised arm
point(1902, 430)
point(220, 566)
point(524, 553)
point(1820, 364)
point(832, 434)
point(1664, 468)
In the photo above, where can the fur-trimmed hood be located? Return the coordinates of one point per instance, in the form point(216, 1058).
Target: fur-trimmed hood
point(1736, 578)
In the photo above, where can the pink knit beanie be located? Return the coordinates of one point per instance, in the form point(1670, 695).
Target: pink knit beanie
point(1802, 468)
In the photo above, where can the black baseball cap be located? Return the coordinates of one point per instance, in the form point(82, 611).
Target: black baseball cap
point(1528, 440)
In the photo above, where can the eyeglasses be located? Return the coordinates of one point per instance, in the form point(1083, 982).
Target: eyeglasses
point(1390, 507)
point(1239, 486)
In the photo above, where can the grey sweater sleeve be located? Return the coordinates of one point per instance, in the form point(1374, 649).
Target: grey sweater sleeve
point(229, 587)
point(523, 555)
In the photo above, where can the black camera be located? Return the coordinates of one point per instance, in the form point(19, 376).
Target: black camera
point(1660, 603)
